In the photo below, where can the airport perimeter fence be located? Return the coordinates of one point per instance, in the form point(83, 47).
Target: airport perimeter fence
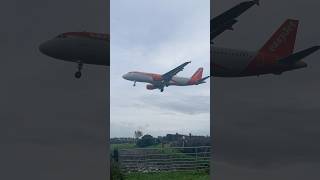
point(164, 159)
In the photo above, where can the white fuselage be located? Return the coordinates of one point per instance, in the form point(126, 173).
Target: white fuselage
point(230, 62)
point(93, 48)
point(77, 48)
point(155, 79)
point(238, 63)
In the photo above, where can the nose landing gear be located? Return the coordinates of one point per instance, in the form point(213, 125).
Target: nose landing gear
point(134, 84)
point(78, 73)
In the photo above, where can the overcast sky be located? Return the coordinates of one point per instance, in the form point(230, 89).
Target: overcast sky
point(268, 127)
point(156, 36)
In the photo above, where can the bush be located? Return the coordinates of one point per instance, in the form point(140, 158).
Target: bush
point(116, 173)
point(146, 140)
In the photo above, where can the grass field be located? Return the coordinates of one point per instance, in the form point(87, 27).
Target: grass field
point(177, 175)
point(122, 146)
point(183, 175)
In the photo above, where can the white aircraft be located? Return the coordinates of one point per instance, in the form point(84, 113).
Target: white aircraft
point(275, 57)
point(158, 81)
point(93, 48)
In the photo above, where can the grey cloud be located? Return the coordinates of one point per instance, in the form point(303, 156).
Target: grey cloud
point(156, 37)
point(186, 105)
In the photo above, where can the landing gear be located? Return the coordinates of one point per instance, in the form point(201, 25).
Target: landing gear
point(161, 90)
point(134, 84)
point(78, 73)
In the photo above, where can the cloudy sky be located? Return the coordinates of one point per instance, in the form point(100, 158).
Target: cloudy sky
point(268, 127)
point(156, 36)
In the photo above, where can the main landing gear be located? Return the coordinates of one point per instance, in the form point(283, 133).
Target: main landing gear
point(78, 73)
point(134, 84)
point(161, 88)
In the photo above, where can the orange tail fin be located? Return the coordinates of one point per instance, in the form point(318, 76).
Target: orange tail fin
point(196, 76)
point(283, 40)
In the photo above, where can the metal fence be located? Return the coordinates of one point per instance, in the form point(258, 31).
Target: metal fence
point(164, 159)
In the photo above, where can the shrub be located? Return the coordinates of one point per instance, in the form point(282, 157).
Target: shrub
point(146, 140)
point(116, 173)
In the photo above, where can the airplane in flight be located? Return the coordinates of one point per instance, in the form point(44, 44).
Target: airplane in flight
point(93, 48)
point(274, 57)
point(79, 47)
point(159, 81)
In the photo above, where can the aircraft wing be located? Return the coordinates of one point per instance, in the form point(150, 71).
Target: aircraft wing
point(168, 76)
point(226, 20)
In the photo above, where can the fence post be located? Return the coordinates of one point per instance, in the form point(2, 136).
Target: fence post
point(116, 155)
point(196, 163)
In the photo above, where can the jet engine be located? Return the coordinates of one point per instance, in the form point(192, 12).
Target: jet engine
point(150, 87)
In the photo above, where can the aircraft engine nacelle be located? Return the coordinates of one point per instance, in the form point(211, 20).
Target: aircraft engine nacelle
point(150, 87)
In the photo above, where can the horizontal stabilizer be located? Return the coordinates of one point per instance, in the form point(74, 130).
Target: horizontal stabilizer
point(293, 58)
point(203, 80)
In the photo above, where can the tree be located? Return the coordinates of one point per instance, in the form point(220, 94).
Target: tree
point(138, 134)
point(146, 140)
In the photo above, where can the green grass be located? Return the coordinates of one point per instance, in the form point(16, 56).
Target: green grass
point(178, 175)
point(122, 146)
point(166, 149)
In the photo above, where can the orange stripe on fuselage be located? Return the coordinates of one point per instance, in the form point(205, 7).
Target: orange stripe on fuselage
point(155, 77)
point(92, 35)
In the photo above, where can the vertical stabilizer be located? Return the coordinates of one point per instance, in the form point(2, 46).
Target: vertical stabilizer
point(196, 76)
point(283, 40)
